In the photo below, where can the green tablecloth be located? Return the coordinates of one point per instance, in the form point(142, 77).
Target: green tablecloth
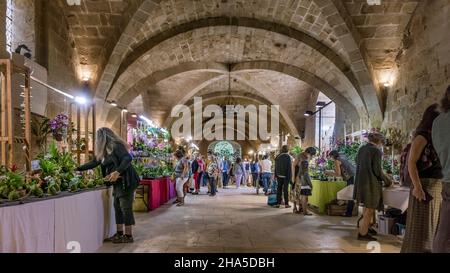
point(324, 192)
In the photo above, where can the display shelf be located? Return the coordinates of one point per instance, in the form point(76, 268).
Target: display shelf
point(8, 69)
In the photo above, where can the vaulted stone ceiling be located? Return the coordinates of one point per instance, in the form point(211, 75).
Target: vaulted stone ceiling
point(381, 27)
point(146, 49)
point(96, 26)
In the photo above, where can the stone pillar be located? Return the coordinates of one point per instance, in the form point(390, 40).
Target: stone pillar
point(310, 132)
point(3, 53)
point(341, 121)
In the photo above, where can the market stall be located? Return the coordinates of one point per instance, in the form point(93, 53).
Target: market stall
point(55, 225)
point(324, 192)
point(152, 154)
point(394, 197)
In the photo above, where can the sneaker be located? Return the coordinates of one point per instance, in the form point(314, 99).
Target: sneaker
point(113, 238)
point(176, 202)
point(277, 206)
point(123, 240)
point(367, 237)
point(288, 206)
point(180, 204)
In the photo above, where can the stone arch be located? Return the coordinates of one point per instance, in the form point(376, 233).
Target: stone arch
point(157, 76)
point(305, 76)
point(286, 120)
point(339, 19)
point(327, 70)
point(235, 22)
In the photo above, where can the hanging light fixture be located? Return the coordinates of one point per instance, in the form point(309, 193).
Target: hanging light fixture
point(231, 101)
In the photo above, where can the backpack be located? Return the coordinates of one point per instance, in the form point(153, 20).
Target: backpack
point(427, 159)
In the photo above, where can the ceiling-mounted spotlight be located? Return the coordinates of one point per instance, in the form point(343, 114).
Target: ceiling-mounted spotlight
point(309, 113)
point(113, 103)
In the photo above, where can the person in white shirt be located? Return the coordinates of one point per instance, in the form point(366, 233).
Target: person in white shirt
point(266, 173)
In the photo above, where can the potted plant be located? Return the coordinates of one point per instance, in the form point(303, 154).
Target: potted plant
point(59, 126)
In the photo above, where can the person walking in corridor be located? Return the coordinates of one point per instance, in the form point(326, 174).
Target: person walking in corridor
point(239, 172)
point(284, 175)
point(441, 141)
point(181, 176)
point(195, 173)
point(255, 169)
point(225, 169)
point(266, 173)
point(212, 170)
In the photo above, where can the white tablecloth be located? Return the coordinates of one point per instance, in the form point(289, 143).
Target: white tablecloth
point(54, 225)
point(396, 197)
point(27, 228)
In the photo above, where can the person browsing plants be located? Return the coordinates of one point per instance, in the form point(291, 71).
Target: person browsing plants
point(112, 155)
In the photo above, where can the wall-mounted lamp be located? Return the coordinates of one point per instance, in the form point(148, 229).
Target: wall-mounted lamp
point(113, 103)
point(134, 115)
point(125, 110)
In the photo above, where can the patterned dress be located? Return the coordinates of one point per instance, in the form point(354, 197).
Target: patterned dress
point(303, 185)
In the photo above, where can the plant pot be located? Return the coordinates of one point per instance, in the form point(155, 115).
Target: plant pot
point(58, 137)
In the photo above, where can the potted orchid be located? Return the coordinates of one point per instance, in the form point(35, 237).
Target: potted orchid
point(59, 126)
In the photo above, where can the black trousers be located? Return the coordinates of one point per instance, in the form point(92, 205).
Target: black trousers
point(283, 187)
point(123, 206)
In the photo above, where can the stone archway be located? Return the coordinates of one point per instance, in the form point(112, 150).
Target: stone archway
point(230, 149)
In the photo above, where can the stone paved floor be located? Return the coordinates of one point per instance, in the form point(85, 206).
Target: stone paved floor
point(240, 221)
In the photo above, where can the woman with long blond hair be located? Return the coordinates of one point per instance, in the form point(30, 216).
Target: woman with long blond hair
point(111, 153)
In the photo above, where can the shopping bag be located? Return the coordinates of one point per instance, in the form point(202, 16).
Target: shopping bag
point(272, 200)
point(273, 187)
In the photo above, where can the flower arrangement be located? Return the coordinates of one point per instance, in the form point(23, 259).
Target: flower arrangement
point(296, 150)
point(391, 166)
point(59, 126)
point(349, 149)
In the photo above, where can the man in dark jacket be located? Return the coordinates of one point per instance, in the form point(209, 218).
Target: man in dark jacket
point(283, 173)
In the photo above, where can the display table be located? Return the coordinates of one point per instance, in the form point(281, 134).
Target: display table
point(53, 225)
point(324, 192)
point(395, 197)
point(160, 191)
point(163, 195)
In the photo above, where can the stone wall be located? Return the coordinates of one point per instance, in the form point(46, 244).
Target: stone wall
point(56, 53)
point(24, 25)
point(423, 69)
